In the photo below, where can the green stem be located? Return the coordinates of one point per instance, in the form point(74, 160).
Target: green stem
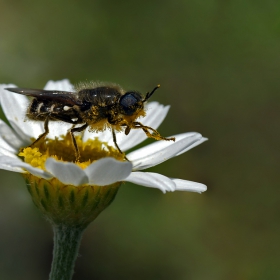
point(67, 241)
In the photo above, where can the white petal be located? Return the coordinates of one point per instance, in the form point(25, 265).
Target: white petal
point(16, 162)
point(14, 106)
point(4, 152)
point(11, 168)
point(66, 172)
point(161, 151)
point(7, 135)
point(203, 139)
point(107, 171)
point(152, 180)
point(156, 113)
point(57, 128)
point(63, 85)
point(5, 145)
point(183, 185)
point(5, 164)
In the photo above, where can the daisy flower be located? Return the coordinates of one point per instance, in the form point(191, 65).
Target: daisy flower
point(104, 171)
point(71, 194)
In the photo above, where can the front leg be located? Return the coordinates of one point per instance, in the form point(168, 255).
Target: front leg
point(154, 133)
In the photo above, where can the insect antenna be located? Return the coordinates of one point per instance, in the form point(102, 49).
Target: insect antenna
point(149, 94)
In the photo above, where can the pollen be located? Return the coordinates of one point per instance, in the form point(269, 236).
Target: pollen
point(62, 149)
point(33, 157)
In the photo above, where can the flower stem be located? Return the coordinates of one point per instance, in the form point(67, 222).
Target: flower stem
point(67, 241)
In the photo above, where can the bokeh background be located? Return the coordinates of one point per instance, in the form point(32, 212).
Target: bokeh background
point(218, 63)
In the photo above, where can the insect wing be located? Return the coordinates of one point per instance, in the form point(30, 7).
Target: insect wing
point(64, 97)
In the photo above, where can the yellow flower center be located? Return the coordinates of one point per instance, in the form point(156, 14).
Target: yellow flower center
point(65, 204)
point(62, 149)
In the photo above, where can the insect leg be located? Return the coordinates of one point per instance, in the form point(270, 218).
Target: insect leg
point(43, 135)
point(127, 130)
point(154, 133)
point(115, 142)
point(77, 129)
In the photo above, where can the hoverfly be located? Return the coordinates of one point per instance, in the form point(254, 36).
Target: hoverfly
point(98, 106)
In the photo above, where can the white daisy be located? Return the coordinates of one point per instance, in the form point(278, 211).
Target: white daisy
point(104, 171)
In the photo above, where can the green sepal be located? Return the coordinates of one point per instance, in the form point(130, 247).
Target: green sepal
point(67, 204)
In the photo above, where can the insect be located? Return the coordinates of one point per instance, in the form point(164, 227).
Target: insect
point(99, 106)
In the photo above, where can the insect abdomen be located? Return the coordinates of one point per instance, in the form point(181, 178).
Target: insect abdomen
point(39, 110)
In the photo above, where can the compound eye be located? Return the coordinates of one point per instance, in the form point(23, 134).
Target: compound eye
point(131, 102)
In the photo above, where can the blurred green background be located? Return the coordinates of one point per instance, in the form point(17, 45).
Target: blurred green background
point(218, 63)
